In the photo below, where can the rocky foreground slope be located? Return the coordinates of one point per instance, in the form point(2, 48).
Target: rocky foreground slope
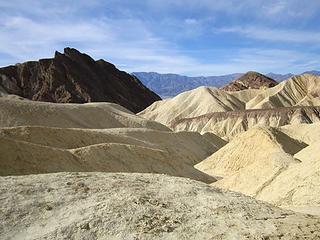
point(138, 206)
point(74, 77)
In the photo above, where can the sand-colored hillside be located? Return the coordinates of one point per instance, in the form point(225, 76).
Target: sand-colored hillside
point(203, 109)
point(256, 145)
point(274, 165)
point(297, 188)
point(190, 104)
point(308, 133)
point(38, 137)
point(90, 115)
point(289, 93)
point(229, 124)
point(138, 206)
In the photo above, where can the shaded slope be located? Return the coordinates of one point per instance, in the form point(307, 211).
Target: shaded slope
point(73, 77)
point(35, 149)
point(39, 137)
point(90, 115)
point(21, 158)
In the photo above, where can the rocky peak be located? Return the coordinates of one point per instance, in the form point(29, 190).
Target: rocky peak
point(250, 80)
point(74, 77)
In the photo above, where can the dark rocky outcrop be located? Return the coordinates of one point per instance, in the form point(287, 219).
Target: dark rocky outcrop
point(250, 80)
point(73, 77)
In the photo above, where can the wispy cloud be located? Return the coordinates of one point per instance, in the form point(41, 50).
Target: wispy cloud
point(273, 34)
point(162, 35)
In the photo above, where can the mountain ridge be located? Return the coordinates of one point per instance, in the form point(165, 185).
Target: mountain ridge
point(74, 77)
point(171, 84)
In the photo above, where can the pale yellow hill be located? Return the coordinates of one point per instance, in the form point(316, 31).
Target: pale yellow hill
point(138, 206)
point(273, 165)
point(256, 145)
point(90, 115)
point(308, 133)
point(192, 103)
point(289, 93)
point(298, 187)
point(309, 100)
point(194, 110)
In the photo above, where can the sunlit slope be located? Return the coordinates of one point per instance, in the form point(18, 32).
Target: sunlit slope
point(191, 104)
point(229, 124)
point(280, 166)
point(228, 113)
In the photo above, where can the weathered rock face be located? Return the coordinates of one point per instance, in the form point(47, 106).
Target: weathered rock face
point(250, 80)
point(73, 77)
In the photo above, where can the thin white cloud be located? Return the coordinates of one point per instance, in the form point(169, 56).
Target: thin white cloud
point(273, 34)
point(131, 42)
point(270, 11)
point(130, 45)
point(191, 21)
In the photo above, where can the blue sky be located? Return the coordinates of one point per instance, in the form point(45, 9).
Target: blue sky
point(203, 37)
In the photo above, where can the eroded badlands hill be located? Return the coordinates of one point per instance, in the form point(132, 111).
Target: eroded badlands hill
point(227, 113)
point(229, 124)
point(136, 206)
point(74, 77)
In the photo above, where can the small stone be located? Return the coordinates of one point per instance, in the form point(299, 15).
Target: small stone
point(48, 207)
point(85, 226)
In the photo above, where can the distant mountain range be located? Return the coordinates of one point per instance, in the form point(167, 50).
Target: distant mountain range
point(168, 85)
